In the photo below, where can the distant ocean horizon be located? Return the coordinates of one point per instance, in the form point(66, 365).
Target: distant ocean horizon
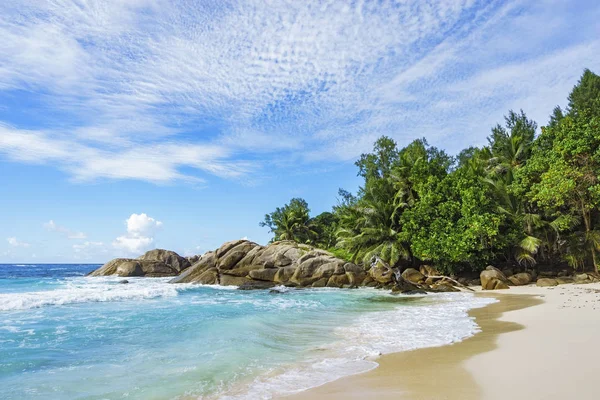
point(67, 336)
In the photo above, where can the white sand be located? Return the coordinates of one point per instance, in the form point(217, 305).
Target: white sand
point(556, 356)
point(542, 350)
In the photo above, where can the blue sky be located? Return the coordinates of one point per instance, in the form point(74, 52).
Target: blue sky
point(132, 124)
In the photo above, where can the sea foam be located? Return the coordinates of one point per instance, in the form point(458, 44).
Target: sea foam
point(84, 290)
point(438, 320)
point(292, 339)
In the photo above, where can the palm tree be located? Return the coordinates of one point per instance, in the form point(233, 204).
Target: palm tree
point(371, 227)
point(509, 149)
point(291, 222)
point(511, 146)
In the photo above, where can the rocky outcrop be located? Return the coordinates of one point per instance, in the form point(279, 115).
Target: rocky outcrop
point(413, 276)
point(493, 279)
point(520, 279)
point(428, 270)
point(244, 263)
point(193, 259)
point(543, 282)
point(155, 263)
point(249, 265)
point(381, 274)
point(562, 280)
point(170, 258)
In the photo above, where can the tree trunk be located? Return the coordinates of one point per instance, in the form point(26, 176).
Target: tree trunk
point(588, 228)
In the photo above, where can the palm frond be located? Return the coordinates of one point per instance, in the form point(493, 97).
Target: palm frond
point(530, 244)
point(524, 257)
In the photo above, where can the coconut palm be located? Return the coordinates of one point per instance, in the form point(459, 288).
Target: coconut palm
point(371, 228)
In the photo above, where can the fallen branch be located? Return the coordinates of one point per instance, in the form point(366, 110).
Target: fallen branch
point(452, 280)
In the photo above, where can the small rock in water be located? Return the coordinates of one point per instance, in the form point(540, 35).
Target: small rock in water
point(413, 292)
point(124, 281)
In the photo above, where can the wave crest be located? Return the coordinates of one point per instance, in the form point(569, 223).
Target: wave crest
point(86, 290)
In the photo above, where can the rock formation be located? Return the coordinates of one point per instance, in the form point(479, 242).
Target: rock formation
point(492, 279)
point(242, 263)
point(522, 278)
point(155, 263)
point(249, 265)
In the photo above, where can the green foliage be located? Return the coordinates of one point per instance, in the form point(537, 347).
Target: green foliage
point(291, 222)
point(521, 198)
point(325, 226)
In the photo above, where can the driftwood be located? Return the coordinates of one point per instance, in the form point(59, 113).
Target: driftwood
point(456, 283)
point(405, 285)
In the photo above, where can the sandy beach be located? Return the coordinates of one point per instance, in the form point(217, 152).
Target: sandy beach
point(536, 343)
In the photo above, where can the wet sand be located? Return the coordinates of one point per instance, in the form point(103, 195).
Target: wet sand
point(530, 343)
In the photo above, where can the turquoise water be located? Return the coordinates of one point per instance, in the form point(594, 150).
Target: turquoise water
point(67, 336)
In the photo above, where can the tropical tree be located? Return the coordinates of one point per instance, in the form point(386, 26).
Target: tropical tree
point(369, 223)
point(370, 227)
point(291, 222)
point(510, 146)
point(562, 178)
point(521, 197)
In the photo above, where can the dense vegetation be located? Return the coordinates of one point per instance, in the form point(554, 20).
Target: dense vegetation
point(522, 199)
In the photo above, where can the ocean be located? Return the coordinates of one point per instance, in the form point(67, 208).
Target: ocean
point(67, 336)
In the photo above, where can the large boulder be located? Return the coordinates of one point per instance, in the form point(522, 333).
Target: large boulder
point(279, 254)
point(228, 280)
point(156, 269)
point(493, 279)
point(564, 280)
point(381, 274)
point(331, 268)
point(305, 272)
point(193, 259)
point(170, 258)
point(229, 259)
point(208, 277)
point(357, 275)
point(110, 268)
point(428, 270)
point(284, 274)
point(128, 267)
point(225, 247)
point(339, 281)
point(543, 282)
point(520, 279)
point(267, 274)
point(413, 276)
point(192, 274)
point(250, 257)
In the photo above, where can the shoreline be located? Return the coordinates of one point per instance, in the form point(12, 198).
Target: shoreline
point(514, 354)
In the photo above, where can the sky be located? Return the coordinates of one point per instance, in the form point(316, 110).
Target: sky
point(127, 125)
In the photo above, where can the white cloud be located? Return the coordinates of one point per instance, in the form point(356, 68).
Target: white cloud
point(54, 227)
point(142, 225)
point(14, 242)
point(78, 248)
point(158, 162)
point(166, 91)
point(140, 234)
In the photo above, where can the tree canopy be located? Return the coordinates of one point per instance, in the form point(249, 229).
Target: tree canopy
point(522, 199)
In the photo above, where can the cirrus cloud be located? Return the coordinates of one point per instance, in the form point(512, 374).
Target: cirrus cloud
point(165, 91)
